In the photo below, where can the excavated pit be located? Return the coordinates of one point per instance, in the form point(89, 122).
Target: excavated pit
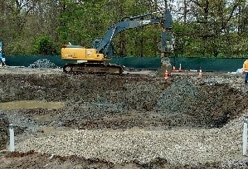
point(89, 102)
point(121, 102)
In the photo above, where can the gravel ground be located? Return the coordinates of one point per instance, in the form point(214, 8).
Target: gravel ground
point(177, 146)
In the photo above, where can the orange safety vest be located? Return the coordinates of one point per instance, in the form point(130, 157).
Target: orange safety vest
point(245, 66)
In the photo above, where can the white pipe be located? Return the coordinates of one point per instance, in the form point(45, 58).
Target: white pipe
point(12, 139)
point(245, 137)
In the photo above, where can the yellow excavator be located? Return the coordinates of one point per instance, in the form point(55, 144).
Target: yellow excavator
point(89, 61)
point(94, 60)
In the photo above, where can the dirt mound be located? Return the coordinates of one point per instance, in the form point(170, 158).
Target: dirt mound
point(201, 105)
point(36, 160)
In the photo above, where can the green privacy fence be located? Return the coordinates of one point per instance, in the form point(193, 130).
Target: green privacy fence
point(207, 64)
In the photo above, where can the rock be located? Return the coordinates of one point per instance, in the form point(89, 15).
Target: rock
point(43, 63)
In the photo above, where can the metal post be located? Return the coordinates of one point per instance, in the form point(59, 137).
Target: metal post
point(12, 139)
point(245, 136)
point(1, 53)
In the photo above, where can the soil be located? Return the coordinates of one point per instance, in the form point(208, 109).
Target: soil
point(43, 101)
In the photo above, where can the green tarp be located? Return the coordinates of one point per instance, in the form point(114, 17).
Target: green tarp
point(207, 64)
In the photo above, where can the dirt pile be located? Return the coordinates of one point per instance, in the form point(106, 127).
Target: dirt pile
point(204, 104)
point(36, 160)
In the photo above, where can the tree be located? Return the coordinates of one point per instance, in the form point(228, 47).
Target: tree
point(212, 24)
point(44, 46)
point(206, 28)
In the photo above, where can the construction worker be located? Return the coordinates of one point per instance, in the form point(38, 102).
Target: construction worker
point(245, 70)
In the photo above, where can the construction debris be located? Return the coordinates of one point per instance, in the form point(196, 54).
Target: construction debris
point(43, 63)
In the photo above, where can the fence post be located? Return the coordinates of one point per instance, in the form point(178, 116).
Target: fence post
point(11, 138)
point(245, 136)
point(1, 48)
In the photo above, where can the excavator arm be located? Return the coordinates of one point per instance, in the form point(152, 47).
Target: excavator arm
point(104, 45)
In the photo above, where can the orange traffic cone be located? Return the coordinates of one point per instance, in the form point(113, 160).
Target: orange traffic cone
point(200, 73)
point(166, 75)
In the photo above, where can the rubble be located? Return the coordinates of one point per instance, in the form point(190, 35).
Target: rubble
point(43, 63)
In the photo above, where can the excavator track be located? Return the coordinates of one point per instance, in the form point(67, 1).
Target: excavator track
point(93, 68)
